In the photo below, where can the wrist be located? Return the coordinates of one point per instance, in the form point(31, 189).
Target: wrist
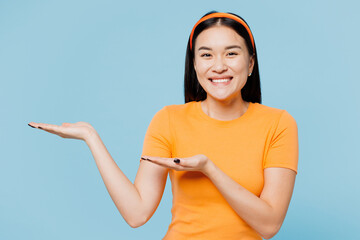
point(210, 168)
point(90, 135)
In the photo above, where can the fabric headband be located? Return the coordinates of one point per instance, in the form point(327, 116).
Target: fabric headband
point(226, 15)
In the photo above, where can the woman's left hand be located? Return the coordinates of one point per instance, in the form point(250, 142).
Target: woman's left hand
point(198, 162)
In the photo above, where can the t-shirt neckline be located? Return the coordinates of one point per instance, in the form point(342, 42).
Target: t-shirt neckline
point(224, 122)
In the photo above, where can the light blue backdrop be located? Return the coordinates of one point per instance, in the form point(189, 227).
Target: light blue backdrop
point(115, 64)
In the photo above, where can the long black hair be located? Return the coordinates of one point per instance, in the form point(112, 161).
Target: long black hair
point(193, 91)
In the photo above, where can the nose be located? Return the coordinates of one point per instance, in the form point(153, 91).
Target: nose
point(219, 65)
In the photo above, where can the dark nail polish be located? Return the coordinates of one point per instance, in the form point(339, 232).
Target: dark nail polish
point(176, 160)
point(31, 126)
point(143, 158)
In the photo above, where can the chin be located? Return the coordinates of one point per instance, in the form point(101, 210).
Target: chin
point(221, 98)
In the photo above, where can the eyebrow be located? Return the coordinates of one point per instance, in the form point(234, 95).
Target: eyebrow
point(228, 47)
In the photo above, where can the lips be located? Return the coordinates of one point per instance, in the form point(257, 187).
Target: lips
point(220, 79)
point(220, 82)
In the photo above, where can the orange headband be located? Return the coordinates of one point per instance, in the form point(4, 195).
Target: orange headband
point(226, 15)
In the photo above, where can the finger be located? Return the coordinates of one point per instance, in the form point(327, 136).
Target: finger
point(32, 124)
point(53, 132)
point(175, 167)
point(189, 162)
point(184, 162)
point(49, 127)
point(37, 125)
point(159, 160)
point(166, 162)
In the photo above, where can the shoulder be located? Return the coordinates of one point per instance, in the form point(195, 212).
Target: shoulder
point(179, 110)
point(180, 107)
point(276, 114)
point(272, 118)
point(267, 110)
point(174, 111)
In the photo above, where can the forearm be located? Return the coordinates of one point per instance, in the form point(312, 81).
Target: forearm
point(122, 191)
point(252, 209)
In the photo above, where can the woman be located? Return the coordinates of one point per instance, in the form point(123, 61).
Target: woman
point(232, 161)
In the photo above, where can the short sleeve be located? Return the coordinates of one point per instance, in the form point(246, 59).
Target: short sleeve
point(157, 141)
point(284, 147)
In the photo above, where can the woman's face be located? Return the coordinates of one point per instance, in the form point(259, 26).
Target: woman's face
point(222, 62)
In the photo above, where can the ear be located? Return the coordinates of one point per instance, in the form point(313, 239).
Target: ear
point(194, 64)
point(251, 63)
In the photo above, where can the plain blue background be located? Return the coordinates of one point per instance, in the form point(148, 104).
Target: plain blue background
point(115, 64)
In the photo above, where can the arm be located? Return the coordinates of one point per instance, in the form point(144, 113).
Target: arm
point(265, 214)
point(136, 202)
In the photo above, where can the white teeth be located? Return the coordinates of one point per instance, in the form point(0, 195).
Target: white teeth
point(220, 80)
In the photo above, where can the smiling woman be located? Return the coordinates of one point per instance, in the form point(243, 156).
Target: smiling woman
point(238, 37)
point(222, 63)
point(232, 161)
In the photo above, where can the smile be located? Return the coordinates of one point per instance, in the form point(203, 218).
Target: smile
point(220, 82)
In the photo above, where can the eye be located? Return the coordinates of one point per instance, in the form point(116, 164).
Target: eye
point(232, 54)
point(205, 55)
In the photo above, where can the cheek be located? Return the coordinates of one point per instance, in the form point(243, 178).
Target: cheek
point(239, 66)
point(202, 67)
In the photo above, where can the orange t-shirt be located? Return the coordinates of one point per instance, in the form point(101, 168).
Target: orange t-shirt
point(262, 137)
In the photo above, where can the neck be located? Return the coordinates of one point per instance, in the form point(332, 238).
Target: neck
point(224, 110)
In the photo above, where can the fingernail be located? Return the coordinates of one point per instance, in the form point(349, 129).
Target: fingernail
point(145, 159)
point(31, 126)
point(176, 160)
point(40, 127)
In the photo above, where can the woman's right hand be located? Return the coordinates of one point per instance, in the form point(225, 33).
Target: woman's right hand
point(79, 130)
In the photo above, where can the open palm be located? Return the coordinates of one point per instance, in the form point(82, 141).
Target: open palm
point(78, 130)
